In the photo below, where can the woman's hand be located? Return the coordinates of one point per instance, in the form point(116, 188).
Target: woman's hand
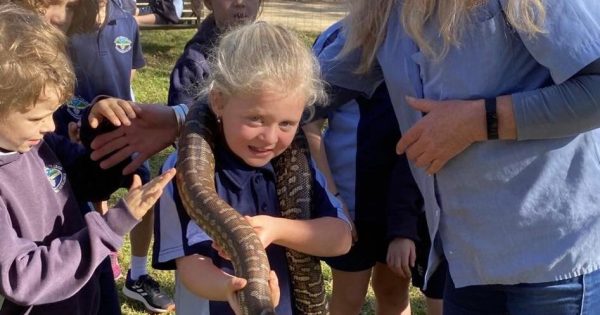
point(447, 129)
point(154, 128)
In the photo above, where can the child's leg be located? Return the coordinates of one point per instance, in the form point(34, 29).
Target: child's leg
point(186, 302)
point(141, 236)
point(391, 291)
point(349, 290)
point(435, 290)
point(351, 273)
point(138, 284)
point(434, 306)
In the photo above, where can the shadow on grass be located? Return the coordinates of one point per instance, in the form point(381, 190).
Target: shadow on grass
point(151, 48)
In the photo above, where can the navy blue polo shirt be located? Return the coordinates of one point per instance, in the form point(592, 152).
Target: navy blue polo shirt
point(103, 61)
point(249, 190)
point(360, 142)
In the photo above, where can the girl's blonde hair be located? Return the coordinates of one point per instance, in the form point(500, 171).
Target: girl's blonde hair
point(34, 57)
point(261, 57)
point(368, 19)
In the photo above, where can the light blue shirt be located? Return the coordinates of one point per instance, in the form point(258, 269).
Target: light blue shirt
point(523, 211)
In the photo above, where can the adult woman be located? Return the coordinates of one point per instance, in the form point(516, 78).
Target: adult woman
point(518, 222)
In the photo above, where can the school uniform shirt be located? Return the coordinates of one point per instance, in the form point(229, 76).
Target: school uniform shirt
point(360, 142)
point(192, 67)
point(50, 251)
point(103, 61)
point(511, 211)
point(249, 190)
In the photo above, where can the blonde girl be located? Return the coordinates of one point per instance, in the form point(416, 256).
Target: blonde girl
point(262, 78)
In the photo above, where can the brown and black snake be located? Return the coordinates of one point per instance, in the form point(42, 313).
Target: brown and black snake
point(196, 184)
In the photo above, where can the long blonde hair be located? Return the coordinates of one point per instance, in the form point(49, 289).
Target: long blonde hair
point(368, 19)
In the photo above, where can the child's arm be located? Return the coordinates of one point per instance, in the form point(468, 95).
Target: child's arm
point(34, 273)
point(328, 233)
point(202, 278)
point(317, 150)
point(188, 73)
point(401, 256)
point(323, 237)
point(405, 202)
point(155, 128)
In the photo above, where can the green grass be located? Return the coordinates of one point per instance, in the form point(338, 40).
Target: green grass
point(161, 50)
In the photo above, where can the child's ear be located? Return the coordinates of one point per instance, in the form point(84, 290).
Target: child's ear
point(216, 102)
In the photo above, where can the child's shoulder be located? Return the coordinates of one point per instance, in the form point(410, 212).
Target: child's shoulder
point(116, 12)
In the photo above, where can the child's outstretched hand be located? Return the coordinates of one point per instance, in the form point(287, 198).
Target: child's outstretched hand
point(401, 256)
point(116, 110)
point(141, 198)
point(235, 284)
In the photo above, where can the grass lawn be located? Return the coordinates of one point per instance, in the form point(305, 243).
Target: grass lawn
point(161, 50)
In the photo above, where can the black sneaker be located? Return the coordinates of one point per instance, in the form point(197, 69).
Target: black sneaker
point(148, 291)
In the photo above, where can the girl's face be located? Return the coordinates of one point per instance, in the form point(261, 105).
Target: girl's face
point(229, 13)
point(258, 127)
point(60, 13)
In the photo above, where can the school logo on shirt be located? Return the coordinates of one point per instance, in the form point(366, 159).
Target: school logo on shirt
point(56, 176)
point(75, 106)
point(122, 44)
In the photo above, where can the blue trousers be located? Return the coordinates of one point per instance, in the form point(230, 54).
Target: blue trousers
point(575, 296)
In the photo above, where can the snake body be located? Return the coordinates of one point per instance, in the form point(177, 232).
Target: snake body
point(294, 188)
point(195, 181)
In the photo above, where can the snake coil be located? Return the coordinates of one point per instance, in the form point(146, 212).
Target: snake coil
point(196, 184)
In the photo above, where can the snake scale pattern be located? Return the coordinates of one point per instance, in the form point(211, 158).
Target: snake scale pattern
point(195, 181)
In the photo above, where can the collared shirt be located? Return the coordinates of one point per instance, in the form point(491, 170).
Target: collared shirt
point(103, 61)
point(249, 190)
point(511, 211)
point(366, 168)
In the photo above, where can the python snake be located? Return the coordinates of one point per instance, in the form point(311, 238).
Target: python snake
point(196, 184)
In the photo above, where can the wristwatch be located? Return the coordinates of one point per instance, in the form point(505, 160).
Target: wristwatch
point(491, 118)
